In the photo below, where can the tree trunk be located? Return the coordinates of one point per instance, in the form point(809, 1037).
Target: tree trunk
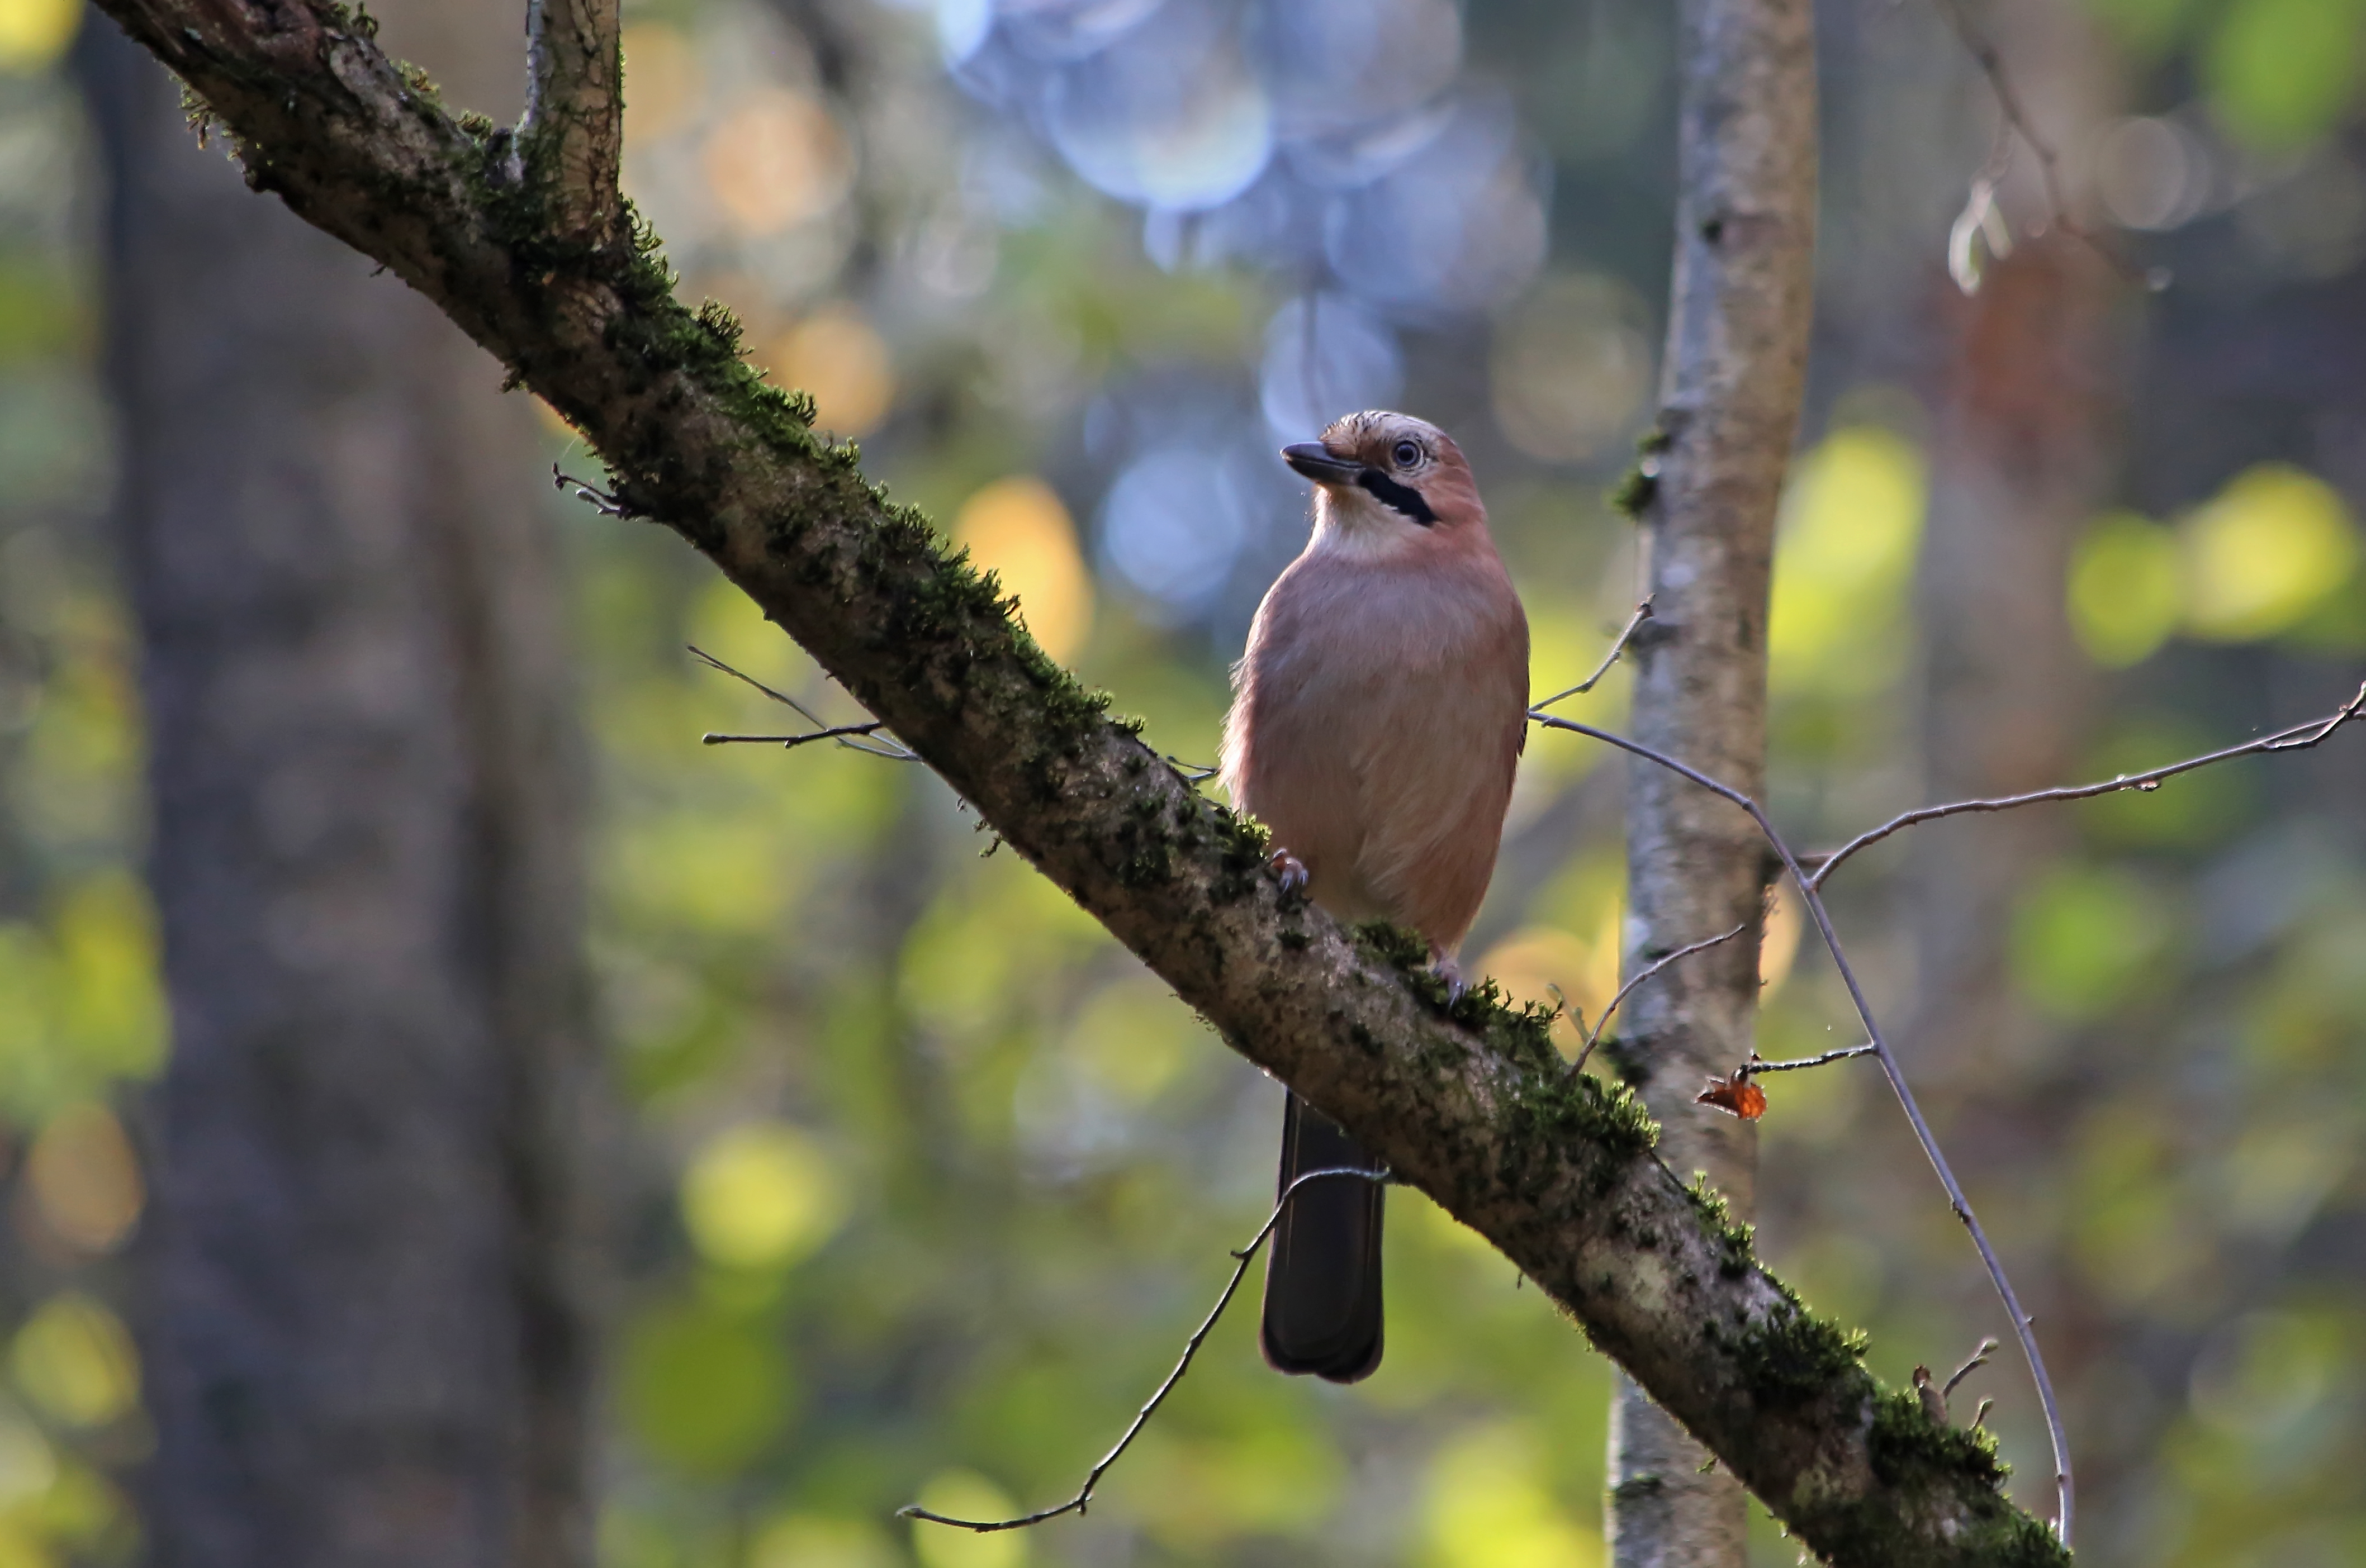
point(1739, 317)
point(367, 1338)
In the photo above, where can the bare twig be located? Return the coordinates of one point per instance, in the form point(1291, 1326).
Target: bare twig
point(1980, 1358)
point(1082, 1501)
point(1625, 636)
point(1593, 1035)
point(2300, 737)
point(1962, 1205)
point(607, 504)
point(844, 734)
point(790, 742)
point(1758, 1065)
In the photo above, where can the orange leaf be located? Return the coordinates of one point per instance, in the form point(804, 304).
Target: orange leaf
point(1736, 1096)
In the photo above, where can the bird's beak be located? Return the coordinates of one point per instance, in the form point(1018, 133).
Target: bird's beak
point(1315, 461)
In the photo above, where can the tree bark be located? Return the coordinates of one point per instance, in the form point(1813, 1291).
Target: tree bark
point(1462, 1097)
point(1739, 311)
point(367, 1337)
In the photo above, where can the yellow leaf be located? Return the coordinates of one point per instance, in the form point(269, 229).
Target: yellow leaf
point(1017, 529)
point(33, 33)
point(1488, 1506)
point(760, 1196)
point(2274, 544)
point(84, 1180)
point(836, 357)
point(965, 1494)
point(74, 1359)
point(1845, 558)
point(2125, 592)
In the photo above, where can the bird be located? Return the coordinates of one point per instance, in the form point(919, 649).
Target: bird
point(1377, 716)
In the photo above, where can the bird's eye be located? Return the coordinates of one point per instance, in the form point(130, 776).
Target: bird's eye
point(1406, 453)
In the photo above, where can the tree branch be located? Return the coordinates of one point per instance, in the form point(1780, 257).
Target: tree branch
point(1242, 1258)
point(2065, 1491)
point(1593, 1035)
point(2300, 737)
point(571, 140)
point(1619, 646)
point(1461, 1097)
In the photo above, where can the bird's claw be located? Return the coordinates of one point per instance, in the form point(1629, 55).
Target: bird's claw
point(1291, 869)
point(1446, 969)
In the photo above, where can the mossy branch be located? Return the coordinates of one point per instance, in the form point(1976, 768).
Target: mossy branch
point(1462, 1096)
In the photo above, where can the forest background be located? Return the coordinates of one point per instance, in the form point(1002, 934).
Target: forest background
point(920, 1180)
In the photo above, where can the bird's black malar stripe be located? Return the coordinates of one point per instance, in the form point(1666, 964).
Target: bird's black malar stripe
point(1399, 497)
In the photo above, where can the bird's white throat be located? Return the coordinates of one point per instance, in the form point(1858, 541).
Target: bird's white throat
point(1356, 526)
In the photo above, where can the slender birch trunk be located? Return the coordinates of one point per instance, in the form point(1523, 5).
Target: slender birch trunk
point(1739, 317)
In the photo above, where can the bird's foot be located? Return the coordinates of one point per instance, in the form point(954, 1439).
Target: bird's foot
point(1291, 869)
point(1443, 966)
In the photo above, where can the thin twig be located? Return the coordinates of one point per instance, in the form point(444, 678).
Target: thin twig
point(783, 698)
point(585, 490)
point(894, 750)
point(1625, 636)
point(791, 742)
point(1593, 1035)
point(1980, 1358)
point(1082, 1501)
point(1990, 60)
point(2300, 737)
point(1955, 1198)
point(1757, 1065)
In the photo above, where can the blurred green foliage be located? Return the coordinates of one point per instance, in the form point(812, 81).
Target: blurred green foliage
point(2278, 73)
point(2281, 73)
point(930, 1181)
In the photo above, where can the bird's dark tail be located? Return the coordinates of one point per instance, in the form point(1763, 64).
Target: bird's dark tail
point(1323, 1277)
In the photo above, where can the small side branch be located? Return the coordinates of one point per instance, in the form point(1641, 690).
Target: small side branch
point(1978, 1359)
point(1757, 1065)
point(600, 500)
point(2065, 1492)
point(1736, 1095)
point(850, 736)
point(1593, 1035)
point(2300, 737)
point(572, 142)
point(1934, 1394)
point(1082, 1501)
point(1625, 636)
point(790, 742)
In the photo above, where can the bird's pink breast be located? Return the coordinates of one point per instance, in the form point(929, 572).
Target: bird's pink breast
point(1377, 727)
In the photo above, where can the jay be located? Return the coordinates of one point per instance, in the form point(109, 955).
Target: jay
point(1377, 720)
